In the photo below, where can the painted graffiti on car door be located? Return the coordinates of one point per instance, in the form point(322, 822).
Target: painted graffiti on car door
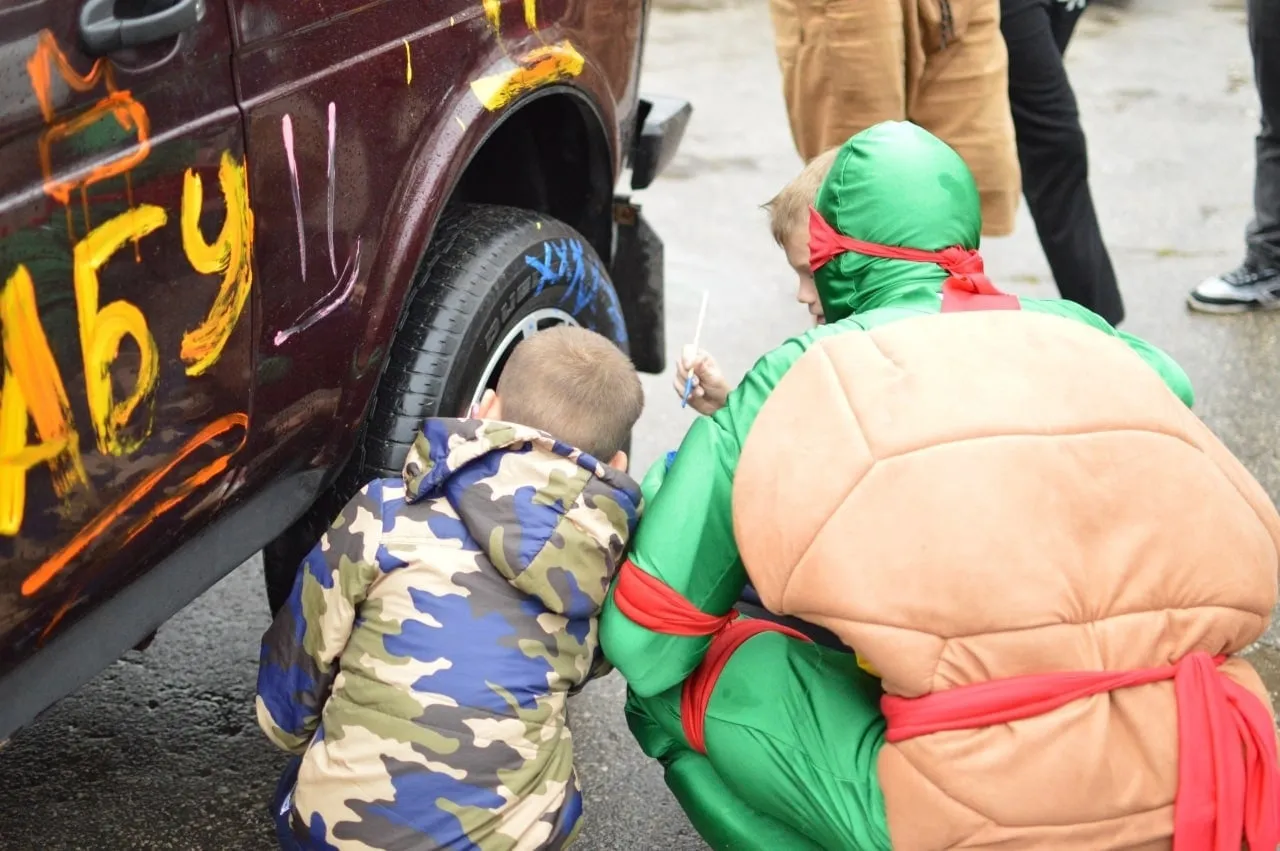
point(126, 269)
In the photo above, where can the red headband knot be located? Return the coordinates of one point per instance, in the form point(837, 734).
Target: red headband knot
point(966, 282)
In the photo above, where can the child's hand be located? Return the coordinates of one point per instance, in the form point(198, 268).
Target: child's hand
point(710, 389)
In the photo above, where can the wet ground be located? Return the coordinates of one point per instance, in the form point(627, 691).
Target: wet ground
point(161, 751)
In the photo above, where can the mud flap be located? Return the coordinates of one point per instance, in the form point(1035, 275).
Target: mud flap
point(637, 274)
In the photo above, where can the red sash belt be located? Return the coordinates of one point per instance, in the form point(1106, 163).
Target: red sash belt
point(655, 605)
point(1228, 774)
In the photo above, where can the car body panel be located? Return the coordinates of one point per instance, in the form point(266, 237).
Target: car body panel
point(127, 344)
point(282, 167)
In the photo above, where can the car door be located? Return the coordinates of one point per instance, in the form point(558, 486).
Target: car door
point(126, 274)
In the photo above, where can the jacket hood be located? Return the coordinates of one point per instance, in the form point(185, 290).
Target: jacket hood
point(551, 518)
point(894, 184)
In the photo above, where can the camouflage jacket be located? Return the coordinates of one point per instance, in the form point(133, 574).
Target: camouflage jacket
point(424, 657)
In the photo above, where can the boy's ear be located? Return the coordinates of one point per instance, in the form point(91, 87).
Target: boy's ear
point(619, 461)
point(490, 407)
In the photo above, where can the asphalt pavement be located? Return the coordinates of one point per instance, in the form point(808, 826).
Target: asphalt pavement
point(161, 751)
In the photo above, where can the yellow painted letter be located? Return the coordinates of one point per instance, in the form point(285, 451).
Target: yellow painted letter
point(32, 387)
point(101, 331)
point(231, 253)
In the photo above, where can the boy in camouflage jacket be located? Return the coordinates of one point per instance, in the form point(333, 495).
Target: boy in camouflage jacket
point(421, 665)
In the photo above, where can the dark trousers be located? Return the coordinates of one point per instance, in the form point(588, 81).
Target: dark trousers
point(751, 606)
point(280, 809)
point(1052, 153)
point(1263, 234)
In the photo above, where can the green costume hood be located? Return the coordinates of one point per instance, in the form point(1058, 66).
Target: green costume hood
point(894, 184)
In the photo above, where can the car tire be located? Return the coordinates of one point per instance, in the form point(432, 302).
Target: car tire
point(491, 276)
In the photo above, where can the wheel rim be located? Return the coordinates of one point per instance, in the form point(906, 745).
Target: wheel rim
point(538, 320)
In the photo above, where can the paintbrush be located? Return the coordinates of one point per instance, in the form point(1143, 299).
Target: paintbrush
point(697, 336)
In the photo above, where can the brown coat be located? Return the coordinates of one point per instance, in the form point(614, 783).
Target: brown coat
point(942, 64)
point(1005, 493)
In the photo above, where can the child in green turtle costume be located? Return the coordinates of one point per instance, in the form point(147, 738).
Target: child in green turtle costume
point(778, 748)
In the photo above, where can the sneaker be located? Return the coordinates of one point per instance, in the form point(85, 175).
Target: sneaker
point(1245, 288)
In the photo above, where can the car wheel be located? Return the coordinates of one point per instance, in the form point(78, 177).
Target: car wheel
point(491, 277)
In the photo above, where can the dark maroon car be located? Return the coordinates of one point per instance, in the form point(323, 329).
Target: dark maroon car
point(246, 247)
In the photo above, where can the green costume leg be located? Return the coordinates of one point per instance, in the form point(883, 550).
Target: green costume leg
point(721, 818)
point(793, 731)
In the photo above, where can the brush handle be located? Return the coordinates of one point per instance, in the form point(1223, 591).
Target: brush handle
point(697, 338)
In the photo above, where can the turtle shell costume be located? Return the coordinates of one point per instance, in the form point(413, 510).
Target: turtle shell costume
point(1008, 509)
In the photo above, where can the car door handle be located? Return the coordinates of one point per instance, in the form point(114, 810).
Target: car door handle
point(102, 31)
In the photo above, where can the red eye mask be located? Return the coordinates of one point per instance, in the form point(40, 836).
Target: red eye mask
point(967, 286)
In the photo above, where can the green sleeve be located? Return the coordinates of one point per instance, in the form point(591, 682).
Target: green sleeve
point(686, 537)
point(1168, 369)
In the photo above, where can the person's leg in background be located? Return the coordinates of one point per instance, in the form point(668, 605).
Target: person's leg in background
point(958, 90)
point(1255, 284)
point(1062, 20)
point(841, 68)
point(1053, 153)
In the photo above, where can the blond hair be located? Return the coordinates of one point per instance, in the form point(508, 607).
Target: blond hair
point(575, 385)
point(789, 209)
